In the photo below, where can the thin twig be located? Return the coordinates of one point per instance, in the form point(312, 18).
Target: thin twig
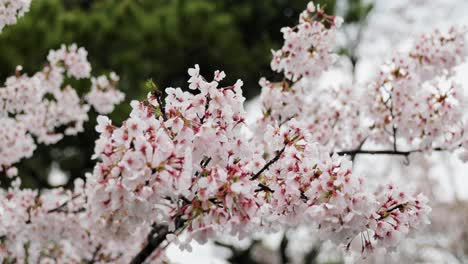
point(95, 254)
point(62, 206)
point(384, 152)
point(268, 164)
point(207, 104)
point(389, 210)
point(263, 187)
point(162, 108)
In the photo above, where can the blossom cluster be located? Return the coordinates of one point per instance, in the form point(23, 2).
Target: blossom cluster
point(415, 100)
point(54, 227)
point(310, 186)
point(307, 46)
point(415, 97)
point(333, 118)
point(331, 115)
point(11, 10)
point(16, 144)
point(177, 158)
point(103, 95)
point(398, 213)
point(45, 106)
point(185, 162)
point(182, 161)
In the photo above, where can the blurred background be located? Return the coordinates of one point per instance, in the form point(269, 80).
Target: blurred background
point(161, 39)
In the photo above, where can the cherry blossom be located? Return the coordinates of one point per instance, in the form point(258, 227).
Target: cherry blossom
point(307, 47)
point(415, 97)
point(398, 213)
point(46, 107)
point(54, 227)
point(11, 10)
point(185, 163)
point(104, 95)
point(182, 164)
point(20, 143)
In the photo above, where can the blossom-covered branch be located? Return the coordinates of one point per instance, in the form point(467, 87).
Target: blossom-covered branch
point(43, 108)
point(182, 161)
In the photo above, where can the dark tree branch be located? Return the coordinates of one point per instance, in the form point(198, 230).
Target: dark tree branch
point(283, 249)
point(158, 96)
point(62, 206)
point(268, 164)
point(155, 238)
point(387, 212)
point(359, 148)
point(384, 152)
point(263, 187)
point(376, 152)
point(225, 245)
point(203, 163)
point(207, 104)
point(240, 256)
point(311, 256)
point(95, 255)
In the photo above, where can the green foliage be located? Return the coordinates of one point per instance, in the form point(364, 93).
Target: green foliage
point(357, 10)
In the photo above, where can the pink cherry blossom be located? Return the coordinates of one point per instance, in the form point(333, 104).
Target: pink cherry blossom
point(104, 95)
point(37, 106)
point(11, 10)
point(181, 162)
